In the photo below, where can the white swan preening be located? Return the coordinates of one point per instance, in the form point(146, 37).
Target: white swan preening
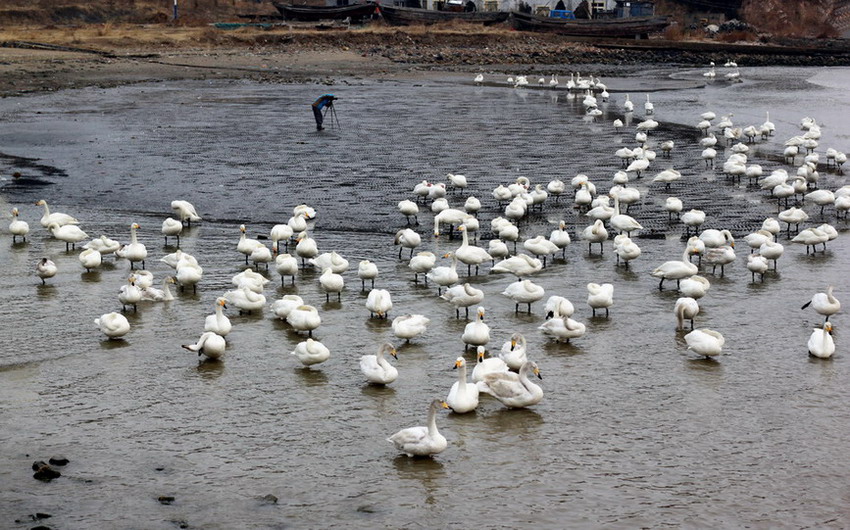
point(514, 390)
point(705, 342)
point(304, 318)
point(825, 304)
point(422, 440)
point(45, 269)
point(820, 342)
point(209, 344)
point(463, 396)
point(186, 212)
point(376, 368)
point(409, 326)
point(113, 325)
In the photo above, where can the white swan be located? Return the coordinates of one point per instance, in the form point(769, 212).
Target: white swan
point(705, 342)
point(444, 276)
point(366, 270)
point(188, 272)
point(757, 264)
point(209, 344)
point(820, 343)
point(409, 326)
point(476, 333)
point(463, 296)
point(514, 390)
point(560, 237)
point(307, 211)
point(686, 308)
point(306, 247)
point(245, 299)
point(152, 294)
point(247, 245)
point(331, 260)
point(286, 265)
point(478, 79)
point(172, 227)
point(129, 294)
point(376, 368)
point(298, 223)
point(90, 259)
point(113, 325)
point(463, 396)
point(422, 440)
point(484, 366)
point(173, 259)
point(514, 353)
point(519, 265)
point(18, 227)
point(60, 219)
point(720, 256)
point(595, 233)
point(622, 222)
point(281, 308)
point(103, 244)
point(716, 238)
point(524, 292)
point(45, 269)
point(675, 270)
point(278, 233)
point(70, 234)
point(694, 287)
point(692, 218)
point(825, 304)
point(626, 249)
point(185, 211)
point(248, 278)
point(470, 254)
point(600, 297)
point(422, 263)
point(331, 283)
point(648, 107)
point(541, 247)
point(311, 352)
point(218, 322)
point(498, 249)
point(135, 251)
point(379, 302)
point(304, 318)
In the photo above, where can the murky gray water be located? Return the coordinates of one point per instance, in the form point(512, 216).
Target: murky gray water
point(633, 429)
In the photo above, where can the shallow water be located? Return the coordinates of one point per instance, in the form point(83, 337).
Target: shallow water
point(633, 430)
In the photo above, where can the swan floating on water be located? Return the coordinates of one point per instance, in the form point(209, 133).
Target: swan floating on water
point(311, 352)
point(113, 325)
point(422, 440)
point(376, 368)
point(463, 396)
point(820, 343)
point(209, 344)
point(514, 390)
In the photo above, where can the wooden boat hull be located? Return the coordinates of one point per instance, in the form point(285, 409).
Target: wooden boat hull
point(406, 16)
point(316, 13)
point(634, 27)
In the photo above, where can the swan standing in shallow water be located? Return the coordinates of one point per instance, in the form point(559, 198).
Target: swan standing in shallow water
point(286, 265)
point(129, 294)
point(705, 342)
point(514, 353)
point(18, 227)
point(524, 292)
point(514, 390)
point(824, 303)
point(90, 259)
point(245, 299)
point(476, 333)
point(686, 308)
point(70, 234)
point(409, 326)
point(281, 308)
point(377, 369)
point(820, 343)
point(209, 344)
point(675, 270)
point(135, 251)
point(311, 352)
point(172, 227)
point(103, 244)
point(304, 318)
point(463, 396)
point(113, 325)
point(422, 440)
point(463, 296)
point(218, 322)
point(379, 302)
point(331, 283)
point(185, 211)
point(366, 270)
point(444, 276)
point(45, 269)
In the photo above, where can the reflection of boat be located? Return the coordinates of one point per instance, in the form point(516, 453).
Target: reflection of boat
point(405, 16)
point(314, 13)
point(630, 27)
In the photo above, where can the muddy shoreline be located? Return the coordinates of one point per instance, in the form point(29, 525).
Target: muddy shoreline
point(92, 57)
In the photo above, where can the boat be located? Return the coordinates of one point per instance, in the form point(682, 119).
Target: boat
point(406, 16)
point(313, 13)
point(631, 27)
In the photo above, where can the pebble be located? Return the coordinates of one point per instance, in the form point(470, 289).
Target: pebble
point(165, 499)
point(44, 471)
point(58, 460)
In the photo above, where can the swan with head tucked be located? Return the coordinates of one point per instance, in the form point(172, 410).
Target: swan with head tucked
point(514, 353)
point(281, 308)
point(188, 272)
point(58, 218)
point(409, 326)
point(90, 259)
point(694, 287)
point(311, 352)
point(476, 333)
point(422, 440)
point(600, 297)
point(135, 251)
point(825, 304)
point(209, 344)
point(245, 299)
point(705, 342)
point(541, 247)
point(514, 390)
point(422, 263)
point(103, 244)
point(218, 322)
point(376, 368)
point(304, 318)
point(820, 343)
point(379, 302)
point(45, 269)
point(172, 227)
point(524, 292)
point(463, 396)
point(18, 227)
point(519, 265)
point(366, 270)
point(331, 283)
point(113, 325)
point(331, 260)
point(286, 265)
point(463, 296)
point(185, 211)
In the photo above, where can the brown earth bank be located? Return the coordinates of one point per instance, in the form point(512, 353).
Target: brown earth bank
point(50, 58)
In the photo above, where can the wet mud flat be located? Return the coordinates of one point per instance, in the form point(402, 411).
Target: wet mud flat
point(633, 428)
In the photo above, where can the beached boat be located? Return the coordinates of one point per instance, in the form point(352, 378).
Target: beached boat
point(631, 27)
point(406, 16)
point(314, 13)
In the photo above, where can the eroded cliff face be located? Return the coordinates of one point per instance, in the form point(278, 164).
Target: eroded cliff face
point(799, 18)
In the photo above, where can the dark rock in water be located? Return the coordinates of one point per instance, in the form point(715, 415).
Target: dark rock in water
point(37, 464)
point(39, 516)
point(58, 460)
point(165, 499)
point(41, 527)
point(44, 472)
point(269, 499)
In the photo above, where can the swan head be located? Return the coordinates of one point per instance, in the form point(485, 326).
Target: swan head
point(15, 212)
point(242, 228)
point(40, 202)
point(480, 313)
point(827, 327)
point(458, 363)
point(480, 353)
point(449, 254)
point(221, 302)
point(135, 226)
point(131, 280)
point(53, 226)
point(170, 279)
point(391, 350)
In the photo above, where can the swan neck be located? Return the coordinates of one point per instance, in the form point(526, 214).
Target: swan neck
point(432, 421)
point(46, 209)
point(461, 377)
point(616, 205)
point(133, 235)
point(465, 238)
point(685, 256)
